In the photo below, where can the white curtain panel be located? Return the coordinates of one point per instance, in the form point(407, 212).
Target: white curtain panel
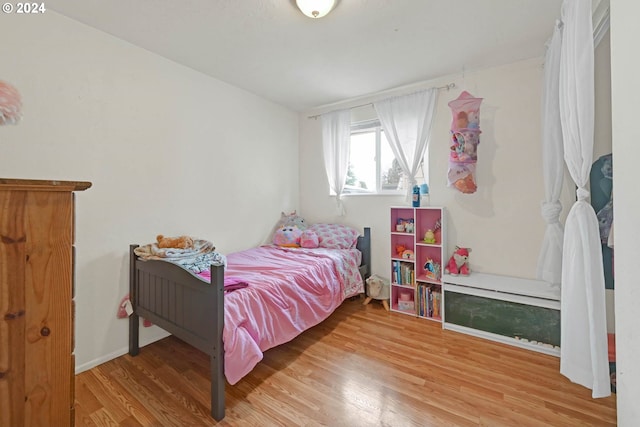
point(583, 354)
point(407, 122)
point(550, 258)
point(336, 141)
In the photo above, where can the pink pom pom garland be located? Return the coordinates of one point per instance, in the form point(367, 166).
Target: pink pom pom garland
point(10, 104)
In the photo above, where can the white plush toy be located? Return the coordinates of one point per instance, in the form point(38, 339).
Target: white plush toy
point(377, 288)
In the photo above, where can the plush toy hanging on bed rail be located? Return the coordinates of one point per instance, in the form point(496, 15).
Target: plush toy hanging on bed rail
point(465, 137)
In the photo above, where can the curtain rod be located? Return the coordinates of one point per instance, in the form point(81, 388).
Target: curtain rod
point(447, 87)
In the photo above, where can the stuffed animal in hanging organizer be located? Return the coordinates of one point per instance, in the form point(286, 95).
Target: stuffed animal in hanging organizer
point(459, 262)
point(181, 242)
point(466, 185)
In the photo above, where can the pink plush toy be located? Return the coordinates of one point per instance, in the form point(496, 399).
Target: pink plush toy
point(288, 236)
point(459, 262)
point(309, 239)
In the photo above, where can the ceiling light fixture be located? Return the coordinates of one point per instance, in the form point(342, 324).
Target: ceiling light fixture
point(315, 8)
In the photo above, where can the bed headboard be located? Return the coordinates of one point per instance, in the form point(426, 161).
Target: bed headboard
point(364, 245)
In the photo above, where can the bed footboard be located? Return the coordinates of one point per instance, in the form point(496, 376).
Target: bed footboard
point(184, 305)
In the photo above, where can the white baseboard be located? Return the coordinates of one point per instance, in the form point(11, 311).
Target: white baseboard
point(107, 357)
point(553, 351)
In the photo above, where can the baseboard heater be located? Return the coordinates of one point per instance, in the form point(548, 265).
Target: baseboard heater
point(511, 310)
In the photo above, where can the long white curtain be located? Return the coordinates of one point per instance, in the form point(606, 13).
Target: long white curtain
point(407, 122)
point(550, 258)
point(336, 142)
point(583, 357)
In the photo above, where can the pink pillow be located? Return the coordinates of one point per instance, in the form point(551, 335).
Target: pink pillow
point(309, 239)
point(335, 236)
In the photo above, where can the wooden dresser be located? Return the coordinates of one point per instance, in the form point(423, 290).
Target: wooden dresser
point(36, 302)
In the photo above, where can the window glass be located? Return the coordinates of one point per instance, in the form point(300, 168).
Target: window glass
point(373, 168)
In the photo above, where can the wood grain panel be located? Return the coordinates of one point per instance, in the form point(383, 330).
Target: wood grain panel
point(48, 294)
point(363, 366)
point(12, 307)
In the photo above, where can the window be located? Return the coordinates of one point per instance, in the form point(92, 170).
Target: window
point(373, 168)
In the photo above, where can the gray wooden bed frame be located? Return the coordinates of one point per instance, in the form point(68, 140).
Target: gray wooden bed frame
point(183, 304)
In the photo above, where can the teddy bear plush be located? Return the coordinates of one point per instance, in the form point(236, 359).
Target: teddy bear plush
point(459, 262)
point(180, 242)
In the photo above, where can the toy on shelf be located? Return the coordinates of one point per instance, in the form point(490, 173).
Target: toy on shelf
point(432, 270)
point(429, 236)
point(407, 254)
point(409, 226)
point(459, 262)
point(400, 250)
point(465, 137)
point(437, 230)
point(405, 225)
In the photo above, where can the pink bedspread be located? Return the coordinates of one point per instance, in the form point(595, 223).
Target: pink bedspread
point(289, 291)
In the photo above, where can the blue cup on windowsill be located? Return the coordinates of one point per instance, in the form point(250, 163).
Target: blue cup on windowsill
point(424, 195)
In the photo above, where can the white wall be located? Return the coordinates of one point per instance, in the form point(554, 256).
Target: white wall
point(169, 151)
point(625, 90)
point(501, 222)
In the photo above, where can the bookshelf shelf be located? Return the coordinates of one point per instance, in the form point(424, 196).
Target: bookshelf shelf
point(416, 260)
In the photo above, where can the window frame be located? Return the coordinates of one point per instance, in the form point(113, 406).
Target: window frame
point(367, 126)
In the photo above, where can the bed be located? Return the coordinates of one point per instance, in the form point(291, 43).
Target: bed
point(265, 296)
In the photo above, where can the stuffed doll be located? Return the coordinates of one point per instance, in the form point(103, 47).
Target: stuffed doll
point(181, 242)
point(309, 239)
point(287, 236)
point(459, 262)
point(292, 219)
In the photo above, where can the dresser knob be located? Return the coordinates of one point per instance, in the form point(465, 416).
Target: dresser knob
point(45, 331)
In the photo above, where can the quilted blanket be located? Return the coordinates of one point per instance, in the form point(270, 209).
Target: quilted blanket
point(289, 290)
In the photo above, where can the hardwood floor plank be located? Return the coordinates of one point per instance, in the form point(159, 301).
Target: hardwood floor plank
point(102, 418)
point(363, 366)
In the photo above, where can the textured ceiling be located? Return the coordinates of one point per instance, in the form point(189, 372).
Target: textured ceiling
point(269, 48)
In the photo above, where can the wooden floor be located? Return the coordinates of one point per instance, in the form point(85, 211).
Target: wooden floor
point(361, 367)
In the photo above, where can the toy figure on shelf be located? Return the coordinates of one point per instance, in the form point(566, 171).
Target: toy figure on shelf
point(432, 269)
point(459, 262)
point(409, 225)
point(430, 237)
point(407, 254)
point(437, 231)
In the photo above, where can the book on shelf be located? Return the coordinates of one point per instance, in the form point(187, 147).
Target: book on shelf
point(403, 273)
point(429, 301)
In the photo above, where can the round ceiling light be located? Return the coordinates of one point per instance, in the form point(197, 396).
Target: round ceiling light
point(315, 8)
